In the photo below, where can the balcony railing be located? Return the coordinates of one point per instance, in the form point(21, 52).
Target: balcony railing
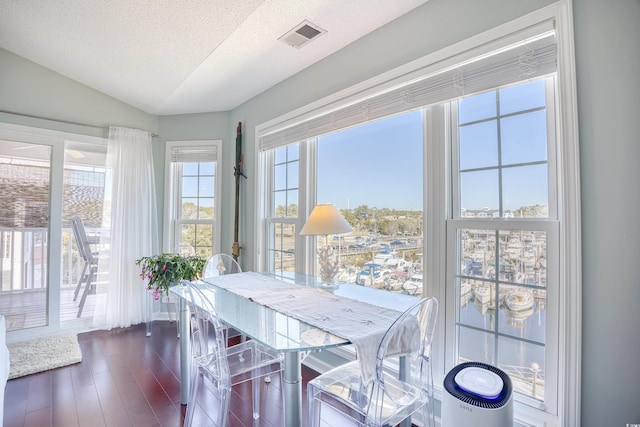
point(24, 255)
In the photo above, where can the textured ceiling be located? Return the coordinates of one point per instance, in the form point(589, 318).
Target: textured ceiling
point(183, 56)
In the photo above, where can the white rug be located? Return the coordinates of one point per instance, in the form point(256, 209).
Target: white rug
point(42, 354)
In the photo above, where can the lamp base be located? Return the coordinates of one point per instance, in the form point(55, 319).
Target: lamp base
point(329, 264)
point(330, 285)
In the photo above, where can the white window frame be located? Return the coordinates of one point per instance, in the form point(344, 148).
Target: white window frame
point(553, 335)
point(306, 181)
point(437, 203)
point(172, 193)
point(455, 221)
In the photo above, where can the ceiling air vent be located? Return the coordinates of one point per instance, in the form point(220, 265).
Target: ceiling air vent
point(302, 34)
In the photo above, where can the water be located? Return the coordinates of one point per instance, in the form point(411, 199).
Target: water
point(507, 338)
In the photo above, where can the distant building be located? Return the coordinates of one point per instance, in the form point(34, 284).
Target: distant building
point(485, 213)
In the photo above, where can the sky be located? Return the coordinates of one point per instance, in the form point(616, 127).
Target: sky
point(380, 164)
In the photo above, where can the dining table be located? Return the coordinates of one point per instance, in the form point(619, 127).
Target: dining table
point(295, 314)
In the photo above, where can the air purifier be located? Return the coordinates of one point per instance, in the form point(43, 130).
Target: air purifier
point(479, 395)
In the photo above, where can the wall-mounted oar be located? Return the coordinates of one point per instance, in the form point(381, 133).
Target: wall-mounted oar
point(237, 172)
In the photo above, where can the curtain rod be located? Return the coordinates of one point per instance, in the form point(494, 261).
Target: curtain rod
point(33, 116)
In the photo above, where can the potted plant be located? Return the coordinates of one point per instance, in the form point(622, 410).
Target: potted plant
point(165, 270)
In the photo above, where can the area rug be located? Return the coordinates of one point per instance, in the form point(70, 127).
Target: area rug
point(42, 354)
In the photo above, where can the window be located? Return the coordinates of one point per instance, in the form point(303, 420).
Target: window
point(377, 189)
point(283, 209)
point(503, 233)
point(497, 232)
point(373, 174)
point(191, 218)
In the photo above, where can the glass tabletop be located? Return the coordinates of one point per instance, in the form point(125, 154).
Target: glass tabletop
point(283, 333)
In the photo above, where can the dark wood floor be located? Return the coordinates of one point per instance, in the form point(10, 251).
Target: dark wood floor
point(126, 379)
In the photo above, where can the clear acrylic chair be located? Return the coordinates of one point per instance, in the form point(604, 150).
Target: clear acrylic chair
point(387, 399)
point(218, 265)
point(223, 366)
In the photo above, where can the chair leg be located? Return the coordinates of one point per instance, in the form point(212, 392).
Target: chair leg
point(149, 302)
point(83, 275)
point(255, 388)
point(170, 304)
point(177, 322)
point(86, 291)
point(224, 395)
point(313, 406)
point(175, 305)
point(282, 398)
point(223, 413)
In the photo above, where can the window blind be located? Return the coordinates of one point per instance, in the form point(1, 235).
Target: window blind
point(194, 154)
point(524, 56)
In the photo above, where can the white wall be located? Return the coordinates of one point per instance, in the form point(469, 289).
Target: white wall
point(31, 89)
point(607, 38)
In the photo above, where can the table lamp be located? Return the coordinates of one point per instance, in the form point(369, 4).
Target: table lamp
point(324, 220)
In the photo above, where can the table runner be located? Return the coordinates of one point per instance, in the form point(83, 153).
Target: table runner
point(361, 323)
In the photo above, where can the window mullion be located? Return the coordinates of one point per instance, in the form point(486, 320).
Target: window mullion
point(436, 173)
point(499, 142)
point(552, 151)
point(176, 203)
point(307, 199)
point(452, 146)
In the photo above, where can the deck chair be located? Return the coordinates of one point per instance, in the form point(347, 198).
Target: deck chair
point(90, 260)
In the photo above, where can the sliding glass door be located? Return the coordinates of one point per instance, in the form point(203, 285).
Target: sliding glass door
point(47, 178)
point(25, 188)
point(82, 201)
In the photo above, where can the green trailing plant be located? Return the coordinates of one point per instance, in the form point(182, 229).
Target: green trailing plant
point(165, 270)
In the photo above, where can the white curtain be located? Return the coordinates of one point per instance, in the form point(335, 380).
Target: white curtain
point(131, 216)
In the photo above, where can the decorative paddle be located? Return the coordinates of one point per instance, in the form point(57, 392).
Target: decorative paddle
point(237, 172)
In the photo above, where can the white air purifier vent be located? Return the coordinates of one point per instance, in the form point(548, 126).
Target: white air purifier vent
point(302, 34)
point(477, 394)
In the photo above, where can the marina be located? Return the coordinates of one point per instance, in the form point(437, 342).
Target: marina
point(501, 285)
